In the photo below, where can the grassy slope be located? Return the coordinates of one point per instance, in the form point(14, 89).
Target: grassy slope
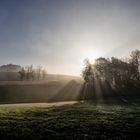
point(14, 76)
point(39, 92)
point(78, 121)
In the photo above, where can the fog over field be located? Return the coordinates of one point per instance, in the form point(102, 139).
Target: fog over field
point(69, 69)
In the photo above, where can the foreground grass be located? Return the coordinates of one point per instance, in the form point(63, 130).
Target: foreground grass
point(75, 121)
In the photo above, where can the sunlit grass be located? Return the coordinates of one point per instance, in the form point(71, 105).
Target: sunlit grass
point(72, 121)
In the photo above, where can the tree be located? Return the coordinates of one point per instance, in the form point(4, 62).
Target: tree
point(119, 74)
point(30, 73)
point(22, 73)
point(38, 72)
point(10, 68)
point(87, 72)
point(44, 73)
point(27, 73)
point(102, 68)
point(135, 64)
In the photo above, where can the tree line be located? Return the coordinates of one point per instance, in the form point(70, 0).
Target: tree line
point(10, 68)
point(31, 73)
point(118, 73)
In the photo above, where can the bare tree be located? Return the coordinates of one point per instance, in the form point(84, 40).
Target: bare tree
point(22, 73)
point(30, 74)
point(44, 73)
point(38, 72)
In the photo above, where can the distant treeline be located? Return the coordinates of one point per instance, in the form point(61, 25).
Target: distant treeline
point(10, 68)
point(17, 72)
point(120, 74)
point(31, 73)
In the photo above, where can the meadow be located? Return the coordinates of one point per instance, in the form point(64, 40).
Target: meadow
point(55, 109)
point(36, 92)
point(70, 120)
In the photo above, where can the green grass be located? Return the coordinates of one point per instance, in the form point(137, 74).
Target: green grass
point(78, 121)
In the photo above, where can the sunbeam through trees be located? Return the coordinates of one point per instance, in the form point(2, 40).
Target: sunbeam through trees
point(112, 75)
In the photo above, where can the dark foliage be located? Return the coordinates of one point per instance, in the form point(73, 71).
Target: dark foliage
point(121, 75)
point(10, 68)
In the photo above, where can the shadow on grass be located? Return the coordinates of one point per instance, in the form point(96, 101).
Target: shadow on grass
point(69, 92)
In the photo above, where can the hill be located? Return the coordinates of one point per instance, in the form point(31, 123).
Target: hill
point(10, 68)
point(14, 76)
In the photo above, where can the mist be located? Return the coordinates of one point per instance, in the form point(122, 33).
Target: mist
point(61, 34)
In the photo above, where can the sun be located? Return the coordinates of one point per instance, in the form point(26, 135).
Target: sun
point(86, 48)
point(91, 54)
point(92, 61)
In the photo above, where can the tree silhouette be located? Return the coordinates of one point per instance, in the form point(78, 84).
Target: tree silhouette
point(22, 73)
point(135, 64)
point(31, 73)
point(87, 72)
point(117, 73)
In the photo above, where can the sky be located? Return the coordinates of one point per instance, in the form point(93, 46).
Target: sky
point(60, 34)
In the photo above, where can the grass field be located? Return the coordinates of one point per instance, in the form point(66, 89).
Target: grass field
point(26, 114)
point(81, 121)
point(36, 92)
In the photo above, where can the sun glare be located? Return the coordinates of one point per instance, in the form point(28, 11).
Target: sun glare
point(92, 61)
point(88, 48)
point(91, 54)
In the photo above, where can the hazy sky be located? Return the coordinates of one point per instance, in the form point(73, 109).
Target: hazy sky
point(61, 33)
